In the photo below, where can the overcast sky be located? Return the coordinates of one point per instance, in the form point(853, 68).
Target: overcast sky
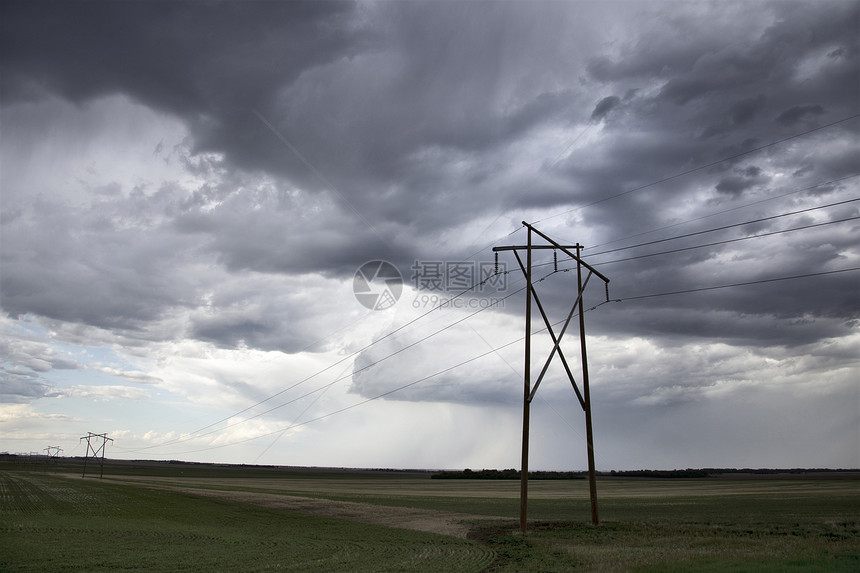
point(188, 191)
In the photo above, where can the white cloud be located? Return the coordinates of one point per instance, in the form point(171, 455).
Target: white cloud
point(100, 393)
point(179, 237)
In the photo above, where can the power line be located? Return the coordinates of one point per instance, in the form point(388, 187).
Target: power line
point(503, 346)
point(727, 210)
point(747, 283)
point(727, 241)
point(700, 167)
point(296, 419)
point(372, 364)
point(355, 405)
point(329, 367)
point(196, 435)
point(724, 227)
point(371, 399)
point(199, 433)
point(719, 229)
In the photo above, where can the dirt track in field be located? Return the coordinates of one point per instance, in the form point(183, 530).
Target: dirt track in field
point(430, 521)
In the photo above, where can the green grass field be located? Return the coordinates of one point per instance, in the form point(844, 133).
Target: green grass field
point(56, 523)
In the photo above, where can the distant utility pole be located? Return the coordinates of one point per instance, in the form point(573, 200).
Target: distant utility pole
point(98, 452)
point(53, 453)
point(529, 390)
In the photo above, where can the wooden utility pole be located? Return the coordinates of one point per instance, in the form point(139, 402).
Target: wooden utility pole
point(100, 451)
point(573, 251)
point(586, 394)
point(524, 466)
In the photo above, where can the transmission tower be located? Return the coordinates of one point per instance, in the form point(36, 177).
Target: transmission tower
point(98, 452)
point(584, 396)
point(53, 453)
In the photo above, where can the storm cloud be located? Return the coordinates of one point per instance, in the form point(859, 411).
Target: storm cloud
point(188, 189)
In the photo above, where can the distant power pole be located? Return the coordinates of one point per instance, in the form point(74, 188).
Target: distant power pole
point(53, 453)
point(98, 452)
point(529, 390)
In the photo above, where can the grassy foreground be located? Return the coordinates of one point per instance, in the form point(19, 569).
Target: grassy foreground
point(49, 523)
point(753, 524)
point(725, 532)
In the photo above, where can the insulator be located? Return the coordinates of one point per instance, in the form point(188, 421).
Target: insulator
point(555, 260)
point(497, 262)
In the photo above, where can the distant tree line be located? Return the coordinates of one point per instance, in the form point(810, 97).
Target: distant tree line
point(668, 474)
point(506, 474)
point(768, 471)
point(687, 473)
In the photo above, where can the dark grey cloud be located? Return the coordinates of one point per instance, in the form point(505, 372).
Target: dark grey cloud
point(35, 356)
point(795, 114)
point(604, 106)
point(191, 182)
point(22, 366)
point(408, 92)
point(708, 100)
point(328, 134)
point(747, 109)
point(91, 265)
point(185, 57)
point(19, 386)
point(740, 180)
